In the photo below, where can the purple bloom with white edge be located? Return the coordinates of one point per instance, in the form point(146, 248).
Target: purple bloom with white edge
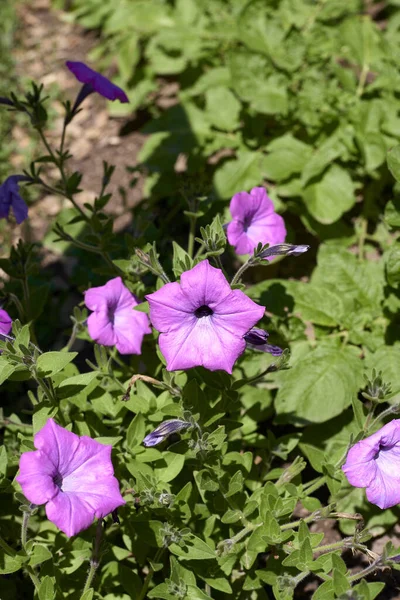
point(164, 430)
point(97, 82)
point(254, 221)
point(72, 475)
point(201, 320)
point(256, 339)
point(374, 464)
point(10, 198)
point(113, 321)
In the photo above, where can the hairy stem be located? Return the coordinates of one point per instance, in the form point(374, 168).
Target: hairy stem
point(94, 560)
point(149, 576)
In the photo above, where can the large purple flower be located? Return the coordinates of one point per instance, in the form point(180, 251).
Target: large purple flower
point(114, 322)
point(254, 221)
point(5, 322)
point(202, 321)
point(96, 82)
point(10, 198)
point(374, 464)
point(72, 475)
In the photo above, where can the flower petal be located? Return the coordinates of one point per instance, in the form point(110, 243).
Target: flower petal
point(205, 285)
point(170, 307)
point(130, 327)
point(5, 322)
point(101, 329)
point(238, 237)
point(36, 472)
point(19, 208)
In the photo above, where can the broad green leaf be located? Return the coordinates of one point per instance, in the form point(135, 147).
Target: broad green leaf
point(136, 431)
point(393, 266)
point(10, 564)
point(387, 360)
point(328, 199)
point(286, 156)
point(319, 386)
point(50, 363)
point(169, 466)
point(193, 549)
point(47, 592)
point(318, 304)
point(393, 161)
point(239, 174)
point(223, 108)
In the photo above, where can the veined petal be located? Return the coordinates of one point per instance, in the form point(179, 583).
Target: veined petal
point(101, 328)
point(36, 473)
point(170, 307)
point(205, 285)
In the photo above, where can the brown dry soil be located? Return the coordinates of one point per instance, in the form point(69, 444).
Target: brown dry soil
point(44, 42)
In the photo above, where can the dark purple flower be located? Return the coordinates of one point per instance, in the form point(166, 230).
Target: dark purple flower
point(6, 101)
point(164, 430)
point(95, 82)
point(113, 321)
point(256, 339)
point(254, 221)
point(374, 464)
point(201, 320)
point(72, 475)
point(10, 198)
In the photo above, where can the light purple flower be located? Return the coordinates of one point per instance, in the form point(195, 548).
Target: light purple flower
point(10, 198)
point(201, 320)
point(114, 322)
point(254, 221)
point(164, 430)
point(374, 464)
point(72, 475)
point(256, 339)
point(97, 82)
point(5, 322)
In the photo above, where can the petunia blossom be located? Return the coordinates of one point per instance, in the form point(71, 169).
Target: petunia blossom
point(5, 322)
point(10, 198)
point(72, 475)
point(201, 320)
point(113, 321)
point(254, 220)
point(374, 464)
point(95, 82)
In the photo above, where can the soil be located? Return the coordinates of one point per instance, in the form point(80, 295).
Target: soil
point(45, 41)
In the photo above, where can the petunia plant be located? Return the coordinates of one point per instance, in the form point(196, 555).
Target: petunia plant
point(187, 416)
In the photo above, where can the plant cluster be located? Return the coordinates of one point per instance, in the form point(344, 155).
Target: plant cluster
point(155, 444)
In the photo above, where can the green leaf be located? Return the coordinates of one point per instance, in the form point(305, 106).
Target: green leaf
point(47, 591)
point(169, 466)
point(393, 266)
point(287, 156)
point(136, 431)
point(318, 304)
point(393, 161)
point(39, 554)
point(73, 385)
point(305, 554)
point(193, 549)
point(181, 260)
point(241, 173)
point(50, 363)
point(88, 595)
point(340, 582)
point(387, 360)
point(223, 108)
point(3, 462)
point(328, 199)
point(320, 385)
point(10, 564)
point(392, 213)
point(6, 369)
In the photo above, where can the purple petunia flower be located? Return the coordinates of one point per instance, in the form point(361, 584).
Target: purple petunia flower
point(114, 322)
point(72, 475)
point(254, 221)
point(256, 339)
point(5, 322)
point(202, 321)
point(164, 430)
point(10, 198)
point(374, 464)
point(95, 82)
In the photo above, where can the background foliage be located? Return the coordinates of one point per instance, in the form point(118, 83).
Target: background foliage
point(303, 97)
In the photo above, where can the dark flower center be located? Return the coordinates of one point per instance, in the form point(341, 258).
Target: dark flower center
point(58, 480)
point(203, 311)
point(247, 222)
point(111, 313)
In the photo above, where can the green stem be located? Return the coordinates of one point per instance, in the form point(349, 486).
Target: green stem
point(370, 569)
point(192, 233)
point(243, 268)
point(94, 560)
point(149, 576)
point(361, 241)
point(382, 415)
point(315, 486)
point(24, 535)
point(308, 519)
